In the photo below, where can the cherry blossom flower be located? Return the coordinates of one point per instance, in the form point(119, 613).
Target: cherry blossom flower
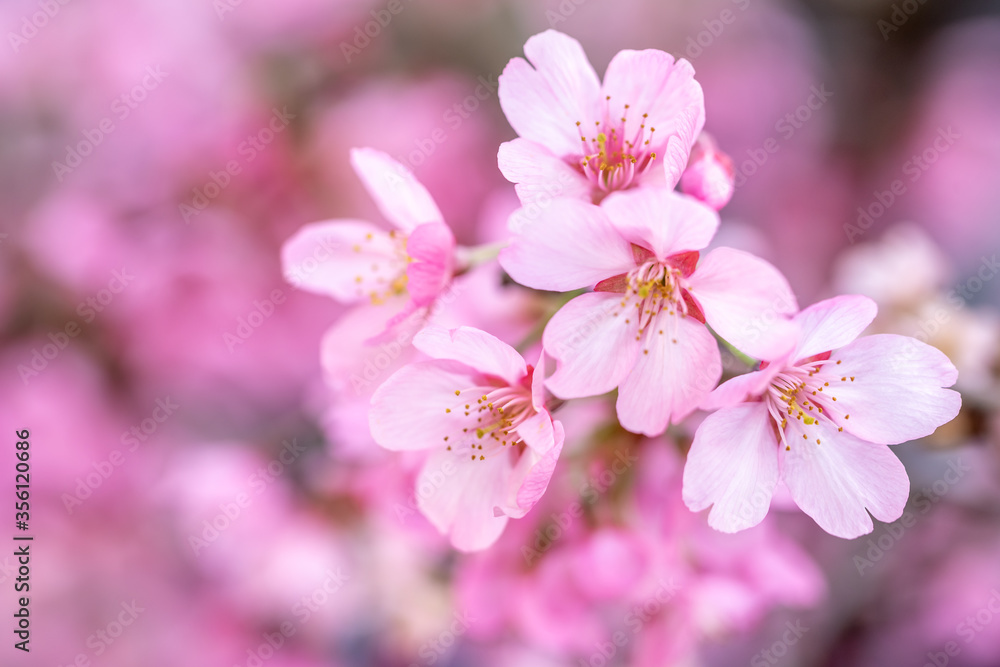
point(581, 138)
point(709, 176)
point(642, 329)
point(480, 410)
point(355, 261)
point(819, 418)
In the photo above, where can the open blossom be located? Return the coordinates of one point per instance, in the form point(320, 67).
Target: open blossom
point(355, 261)
point(480, 410)
point(819, 418)
point(643, 329)
point(581, 138)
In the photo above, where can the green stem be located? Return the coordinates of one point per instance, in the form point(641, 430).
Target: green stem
point(471, 257)
point(536, 331)
point(749, 361)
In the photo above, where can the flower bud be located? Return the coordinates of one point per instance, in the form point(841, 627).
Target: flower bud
point(709, 174)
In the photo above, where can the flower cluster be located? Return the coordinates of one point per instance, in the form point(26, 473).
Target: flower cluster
point(647, 306)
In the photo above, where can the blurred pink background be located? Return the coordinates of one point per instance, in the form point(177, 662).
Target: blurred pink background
point(200, 496)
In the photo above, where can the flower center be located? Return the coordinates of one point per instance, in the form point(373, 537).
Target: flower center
point(386, 279)
point(611, 159)
point(491, 422)
point(649, 289)
point(805, 394)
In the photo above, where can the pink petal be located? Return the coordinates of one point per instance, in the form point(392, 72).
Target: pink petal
point(835, 480)
point(740, 388)
point(329, 258)
point(746, 301)
point(678, 366)
point(402, 325)
point(538, 383)
point(458, 496)
point(545, 103)
point(894, 388)
point(569, 245)
point(655, 174)
point(652, 83)
point(532, 474)
point(432, 247)
point(397, 193)
point(357, 372)
point(476, 349)
point(537, 432)
point(595, 345)
point(733, 465)
point(660, 220)
point(614, 285)
point(539, 175)
point(833, 323)
point(678, 149)
point(411, 409)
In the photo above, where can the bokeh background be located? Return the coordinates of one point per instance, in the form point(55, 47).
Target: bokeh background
point(202, 496)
